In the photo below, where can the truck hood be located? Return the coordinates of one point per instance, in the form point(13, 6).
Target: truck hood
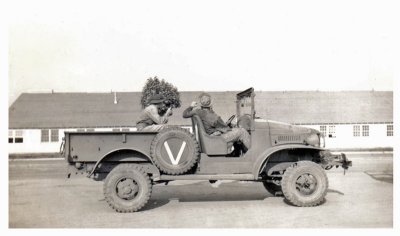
point(284, 133)
point(277, 127)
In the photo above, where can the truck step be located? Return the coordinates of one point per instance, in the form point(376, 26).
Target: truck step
point(208, 177)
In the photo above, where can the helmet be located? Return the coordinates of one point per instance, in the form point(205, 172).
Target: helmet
point(205, 100)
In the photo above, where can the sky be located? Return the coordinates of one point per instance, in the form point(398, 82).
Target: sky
point(99, 46)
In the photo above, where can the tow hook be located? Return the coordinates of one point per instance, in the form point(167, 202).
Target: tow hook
point(329, 160)
point(345, 163)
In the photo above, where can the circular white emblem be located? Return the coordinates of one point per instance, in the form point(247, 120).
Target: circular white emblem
point(174, 161)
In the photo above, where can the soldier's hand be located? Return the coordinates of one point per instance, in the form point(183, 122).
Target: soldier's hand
point(169, 112)
point(193, 104)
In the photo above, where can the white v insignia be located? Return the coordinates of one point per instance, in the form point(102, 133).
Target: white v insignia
point(171, 157)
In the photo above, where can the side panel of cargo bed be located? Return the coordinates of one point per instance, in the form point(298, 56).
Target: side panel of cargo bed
point(92, 146)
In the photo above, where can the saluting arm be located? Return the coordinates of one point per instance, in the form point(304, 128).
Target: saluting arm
point(188, 112)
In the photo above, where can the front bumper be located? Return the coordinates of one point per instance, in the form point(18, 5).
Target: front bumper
point(329, 160)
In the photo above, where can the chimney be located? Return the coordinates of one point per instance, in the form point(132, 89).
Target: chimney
point(115, 98)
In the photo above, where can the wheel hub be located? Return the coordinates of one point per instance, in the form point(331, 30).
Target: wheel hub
point(306, 184)
point(127, 189)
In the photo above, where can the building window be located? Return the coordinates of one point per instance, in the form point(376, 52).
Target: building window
point(332, 132)
point(389, 130)
point(54, 135)
point(49, 135)
point(121, 130)
point(356, 130)
point(15, 136)
point(44, 137)
point(10, 136)
point(85, 130)
point(365, 130)
point(322, 129)
point(19, 140)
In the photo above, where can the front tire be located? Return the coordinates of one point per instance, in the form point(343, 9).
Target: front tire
point(127, 188)
point(305, 184)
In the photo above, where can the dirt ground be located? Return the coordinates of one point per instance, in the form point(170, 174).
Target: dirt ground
point(40, 196)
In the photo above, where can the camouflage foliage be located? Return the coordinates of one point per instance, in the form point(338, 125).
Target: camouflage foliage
point(154, 86)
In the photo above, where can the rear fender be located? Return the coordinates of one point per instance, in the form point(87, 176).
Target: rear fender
point(122, 155)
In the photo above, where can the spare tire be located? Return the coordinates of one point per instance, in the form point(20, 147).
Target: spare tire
point(174, 151)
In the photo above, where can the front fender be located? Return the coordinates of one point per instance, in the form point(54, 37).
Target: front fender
point(263, 158)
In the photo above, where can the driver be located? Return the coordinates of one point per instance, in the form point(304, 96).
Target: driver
point(213, 124)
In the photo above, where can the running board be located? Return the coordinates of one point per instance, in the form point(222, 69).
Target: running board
point(208, 177)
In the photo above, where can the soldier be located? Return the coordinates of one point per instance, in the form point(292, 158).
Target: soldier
point(155, 116)
point(214, 125)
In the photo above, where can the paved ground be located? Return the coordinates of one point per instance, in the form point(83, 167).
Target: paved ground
point(41, 197)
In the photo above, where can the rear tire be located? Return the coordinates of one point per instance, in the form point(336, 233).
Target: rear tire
point(127, 188)
point(305, 184)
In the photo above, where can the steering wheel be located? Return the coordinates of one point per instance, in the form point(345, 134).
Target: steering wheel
point(229, 121)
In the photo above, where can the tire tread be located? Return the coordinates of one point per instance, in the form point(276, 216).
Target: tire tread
point(288, 176)
point(126, 168)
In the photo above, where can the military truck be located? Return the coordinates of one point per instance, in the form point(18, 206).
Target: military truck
point(289, 160)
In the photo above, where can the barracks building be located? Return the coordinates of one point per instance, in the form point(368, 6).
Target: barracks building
point(349, 120)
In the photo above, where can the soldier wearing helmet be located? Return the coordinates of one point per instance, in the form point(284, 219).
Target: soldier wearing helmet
point(213, 124)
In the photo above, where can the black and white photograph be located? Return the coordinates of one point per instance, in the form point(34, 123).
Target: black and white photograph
point(173, 115)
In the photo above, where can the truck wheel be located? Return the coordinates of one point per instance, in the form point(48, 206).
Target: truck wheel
point(174, 151)
point(273, 188)
point(127, 188)
point(305, 184)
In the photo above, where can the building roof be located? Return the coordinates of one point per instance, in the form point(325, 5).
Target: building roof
point(326, 107)
point(74, 110)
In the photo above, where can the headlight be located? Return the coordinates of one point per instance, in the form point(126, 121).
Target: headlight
point(321, 140)
point(313, 140)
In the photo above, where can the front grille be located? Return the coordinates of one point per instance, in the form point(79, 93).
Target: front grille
point(288, 138)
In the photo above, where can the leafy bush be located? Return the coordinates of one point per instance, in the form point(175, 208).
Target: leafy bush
point(154, 86)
